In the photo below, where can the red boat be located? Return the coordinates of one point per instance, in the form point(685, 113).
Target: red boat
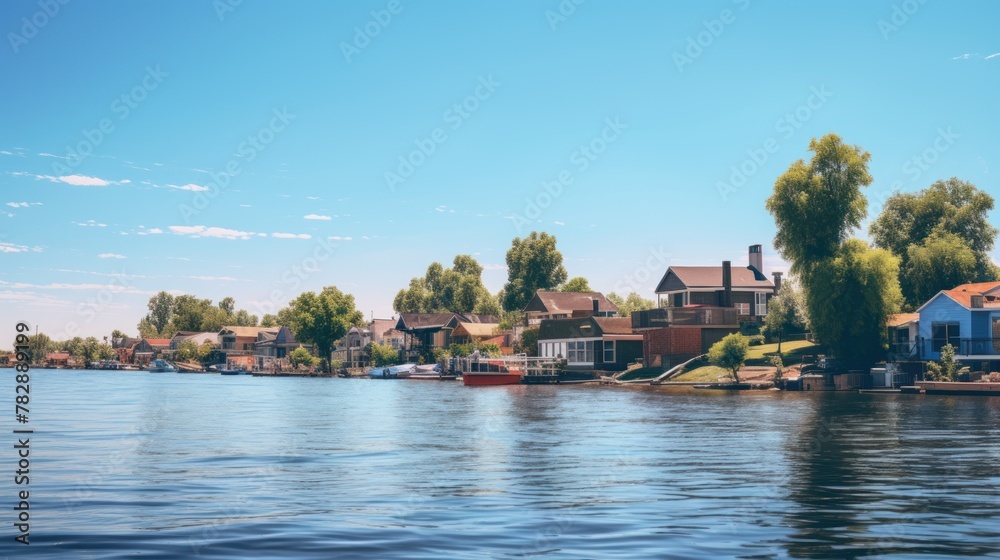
point(489, 372)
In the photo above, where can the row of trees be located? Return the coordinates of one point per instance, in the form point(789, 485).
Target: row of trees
point(169, 314)
point(88, 349)
point(533, 263)
point(923, 242)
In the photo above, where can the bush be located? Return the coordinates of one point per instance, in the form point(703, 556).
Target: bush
point(383, 355)
point(301, 356)
point(779, 371)
point(756, 340)
point(730, 353)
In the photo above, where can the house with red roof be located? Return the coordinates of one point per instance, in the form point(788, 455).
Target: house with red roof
point(968, 318)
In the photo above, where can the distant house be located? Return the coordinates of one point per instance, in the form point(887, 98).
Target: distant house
point(272, 347)
point(464, 333)
point(744, 288)
point(352, 351)
point(148, 349)
point(57, 359)
point(590, 343)
point(198, 338)
point(426, 331)
point(563, 305)
point(968, 318)
point(124, 348)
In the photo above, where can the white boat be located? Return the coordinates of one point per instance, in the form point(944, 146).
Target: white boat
point(392, 372)
point(160, 366)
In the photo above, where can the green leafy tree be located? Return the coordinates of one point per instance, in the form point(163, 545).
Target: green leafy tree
point(147, 329)
point(577, 284)
point(228, 306)
point(941, 262)
point(189, 313)
point(850, 299)
point(118, 334)
point(949, 216)
point(817, 204)
point(105, 351)
point(458, 289)
point(323, 318)
point(383, 355)
point(730, 353)
point(783, 314)
point(301, 357)
point(632, 302)
point(528, 342)
point(945, 369)
point(269, 320)
point(38, 346)
point(533, 264)
point(243, 318)
point(161, 307)
point(187, 351)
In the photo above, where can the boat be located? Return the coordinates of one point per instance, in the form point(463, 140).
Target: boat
point(160, 366)
point(402, 371)
point(223, 370)
point(431, 371)
point(489, 371)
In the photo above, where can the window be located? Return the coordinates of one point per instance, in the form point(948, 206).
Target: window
point(580, 352)
point(760, 303)
point(609, 351)
point(944, 333)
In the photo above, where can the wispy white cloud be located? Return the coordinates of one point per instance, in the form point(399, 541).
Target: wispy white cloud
point(965, 56)
point(32, 298)
point(558, 223)
point(90, 223)
point(994, 55)
point(116, 288)
point(291, 235)
point(494, 267)
point(214, 278)
point(189, 187)
point(75, 180)
point(46, 154)
point(217, 232)
point(6, 247)
point(338, 238)
point(111, 256)
point(316, 217)
point(313, 197)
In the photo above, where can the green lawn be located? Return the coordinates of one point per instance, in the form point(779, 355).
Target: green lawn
point(704, 374)
point(642, 373)
point(791, 352)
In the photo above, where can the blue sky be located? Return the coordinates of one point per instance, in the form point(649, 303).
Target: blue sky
point(645, 111)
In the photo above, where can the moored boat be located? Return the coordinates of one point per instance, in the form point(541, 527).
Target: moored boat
point(160, 366)
point(489, 371)
point(392, 372)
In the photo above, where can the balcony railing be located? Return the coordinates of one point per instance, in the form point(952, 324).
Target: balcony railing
point(684, 316)
point(964, 347)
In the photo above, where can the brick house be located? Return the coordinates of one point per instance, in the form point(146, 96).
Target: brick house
point(590, 343)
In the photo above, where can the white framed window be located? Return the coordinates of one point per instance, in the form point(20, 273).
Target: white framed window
point(609, 351)
point(580, 352)
point(743, 308)
point(760, 303)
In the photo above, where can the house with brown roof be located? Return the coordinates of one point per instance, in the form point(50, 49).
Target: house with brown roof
point(968, 318)
point(148, 349)
point(562, 305)
point(272, 347)
point(57, 359)
point(903, 331)
point(590, 343)
point(745, 288)
point(426, 331)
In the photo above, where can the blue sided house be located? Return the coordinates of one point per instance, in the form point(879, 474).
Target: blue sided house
point(968, 318)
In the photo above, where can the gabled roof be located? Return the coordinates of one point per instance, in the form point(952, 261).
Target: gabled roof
point(157, 341)
point(900, 319)
point(551, 302)
point(200, 338)
point(583, 327)
point(61, 355)
point(416, 321)
point(241, 331)
point(684, 277)
point(962, 295)
point(475, 329)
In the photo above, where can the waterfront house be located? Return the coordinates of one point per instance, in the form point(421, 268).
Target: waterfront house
point(563, 305)
point(424, 332)
point(903, 329)
point(353, 350)
point(199, 338)
point(124, 348)
point(590, 343)
point(746, 289)
point(149, 349)
point(968, 318)
point(464, 332)
point(236, 346)
point(57, 359)
point(272, 347)
point(672, 335)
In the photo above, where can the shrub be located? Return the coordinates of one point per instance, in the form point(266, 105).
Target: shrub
point(756, 340)
point(730, 353)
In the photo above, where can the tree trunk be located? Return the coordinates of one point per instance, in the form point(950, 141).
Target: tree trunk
point(736, 374)
point(779, 345)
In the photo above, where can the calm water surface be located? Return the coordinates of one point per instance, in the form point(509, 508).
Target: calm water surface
point(167, 466)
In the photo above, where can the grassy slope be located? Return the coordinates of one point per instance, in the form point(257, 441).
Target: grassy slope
point(791, 353)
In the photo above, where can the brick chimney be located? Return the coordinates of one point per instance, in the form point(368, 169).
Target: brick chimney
point(757, 258)
point(777, 282)
point(727, 284)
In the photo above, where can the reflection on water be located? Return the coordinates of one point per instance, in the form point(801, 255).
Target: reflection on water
point(167, 465)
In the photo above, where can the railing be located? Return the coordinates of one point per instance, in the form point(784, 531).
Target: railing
point(964, 347)
point(517, 363)
point(684, 316)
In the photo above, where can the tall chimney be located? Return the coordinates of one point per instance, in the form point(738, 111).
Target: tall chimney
point(596, 306)
point(757, 258)
point(777, 282)
point(727, 284)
